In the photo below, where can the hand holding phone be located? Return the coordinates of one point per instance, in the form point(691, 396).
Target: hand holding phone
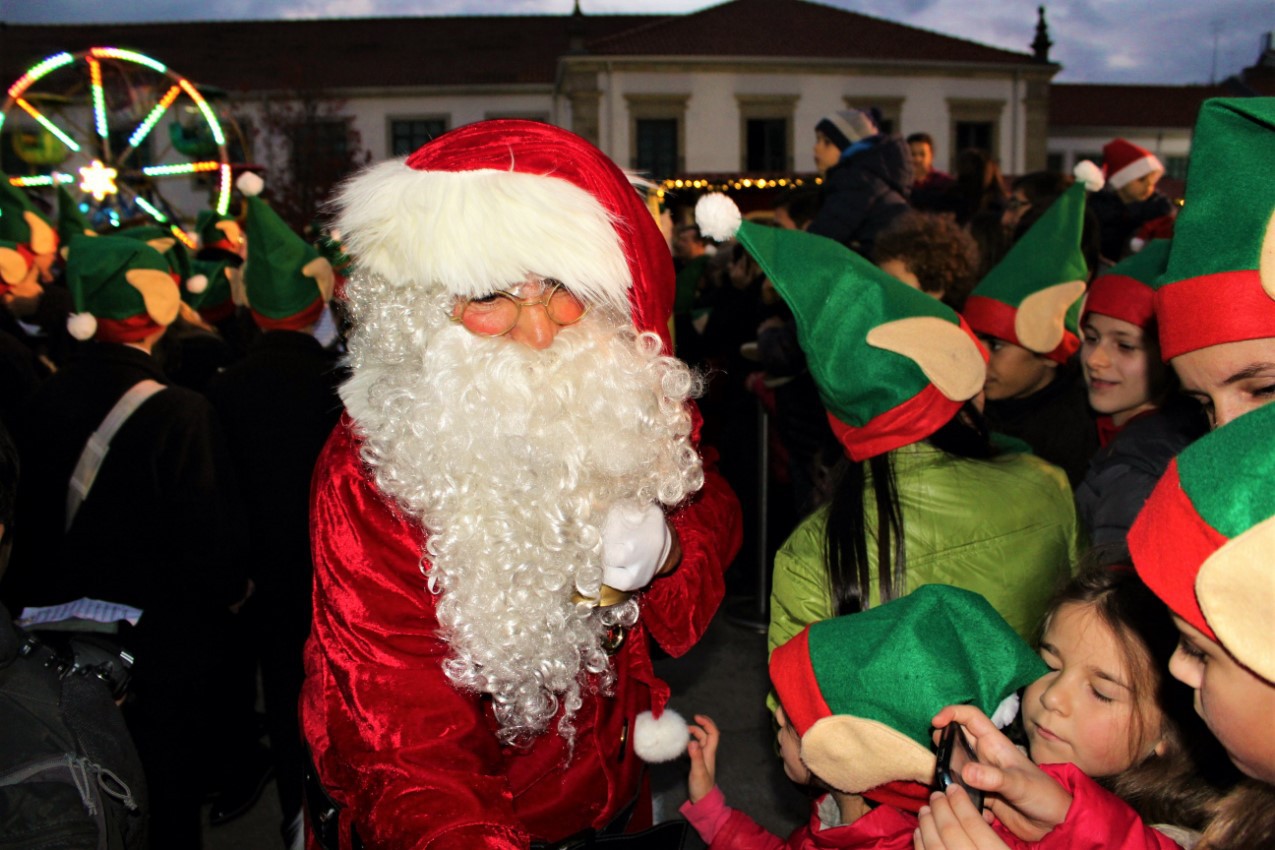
point(954, 752)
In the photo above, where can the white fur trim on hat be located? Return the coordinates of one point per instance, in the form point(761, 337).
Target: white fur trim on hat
point(473, 232)
point(660, 739)
point(1134, 170)
point(82, 326)
point(1088, 173)
point(250, 184)
point(718, 217)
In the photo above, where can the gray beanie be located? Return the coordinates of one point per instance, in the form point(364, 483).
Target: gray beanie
point(846, 127)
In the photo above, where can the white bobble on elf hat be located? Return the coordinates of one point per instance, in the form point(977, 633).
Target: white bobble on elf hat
point(121, 288)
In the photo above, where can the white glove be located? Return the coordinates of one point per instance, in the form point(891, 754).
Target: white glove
point(635, 543)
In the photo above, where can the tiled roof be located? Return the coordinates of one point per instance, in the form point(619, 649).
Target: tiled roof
point(241, 56)
point(794, 28)
point(332, 53)
point(1084, 105)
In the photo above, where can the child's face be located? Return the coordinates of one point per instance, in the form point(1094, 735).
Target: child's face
point(1229, 379)
point(1013, 371)
point(1117, 367)
point(790, 750)
point(1236, 703)
point(1083, 711)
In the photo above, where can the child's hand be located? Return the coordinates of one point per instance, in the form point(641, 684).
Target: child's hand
point(1025, 798)
point(703, 752)
point(950, 822)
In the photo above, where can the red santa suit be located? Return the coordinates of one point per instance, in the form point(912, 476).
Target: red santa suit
point(412, 761)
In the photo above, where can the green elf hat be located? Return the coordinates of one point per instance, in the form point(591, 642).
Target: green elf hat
point(208, 290)
point(22, 223)
point(1204, 538)
point(286, 280)
point(1220, 283)
point(16, 262)
point(892, 364)
point(71, 222)
point(1125, 291)
point(860, 690)
point(174, 251)
point(1027, 299)
point(220, 232)
point(122, 289)
point(330, 246)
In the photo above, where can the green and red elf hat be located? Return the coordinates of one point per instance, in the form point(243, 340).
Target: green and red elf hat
point(16, 263)
point(286, 280)
point(22, 223)
point(214, 231)
point(122, 289)
point(71, 222)
point(208, 290)
point(1204, 538)
point(892, 364)
point(1126, 291)
point(1027, 298)
point(861, 690)
point(173, 250)
point(1220, 283)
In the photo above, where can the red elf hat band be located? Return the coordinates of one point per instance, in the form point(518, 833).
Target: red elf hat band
point(1228, 306)
point(133, 329)
point(1121, 297)
point(295, 322)
point(994, 318)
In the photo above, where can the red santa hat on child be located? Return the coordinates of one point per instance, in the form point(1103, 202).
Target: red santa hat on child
point(482, 206)
point(1123, 162)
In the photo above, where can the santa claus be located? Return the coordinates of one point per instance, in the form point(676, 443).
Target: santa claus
point(513, 504)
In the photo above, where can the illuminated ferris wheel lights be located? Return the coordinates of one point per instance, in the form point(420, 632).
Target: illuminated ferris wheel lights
point(183, 236)
point(42, 179)
point(151, 208)
point(54, 62)
point(129, 56)
point(48, 125)
point(99, 98)
point(98, 180)
point(185, 168)
point(153, 118)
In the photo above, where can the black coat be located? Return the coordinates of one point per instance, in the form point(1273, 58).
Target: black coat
point(1055, 422)
point(864, 193)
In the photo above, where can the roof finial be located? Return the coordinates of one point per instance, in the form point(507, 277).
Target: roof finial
point(576, 11)
point(1041, 44)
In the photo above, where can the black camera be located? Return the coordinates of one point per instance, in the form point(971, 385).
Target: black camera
point(83, 654)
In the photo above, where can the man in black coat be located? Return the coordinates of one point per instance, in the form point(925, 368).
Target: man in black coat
point(158, 528)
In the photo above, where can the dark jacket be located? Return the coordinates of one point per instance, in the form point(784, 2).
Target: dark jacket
point(1056, 422)
point(1123, 473)
point(865, 192)
point(1119, 222)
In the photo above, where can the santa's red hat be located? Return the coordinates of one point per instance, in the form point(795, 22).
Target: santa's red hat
point(480, 207)
point(1123, 162)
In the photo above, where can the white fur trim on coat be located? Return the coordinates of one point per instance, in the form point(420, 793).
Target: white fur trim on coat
point(472, 232)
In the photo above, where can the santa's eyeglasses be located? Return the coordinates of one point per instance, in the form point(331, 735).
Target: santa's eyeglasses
point(497, 314)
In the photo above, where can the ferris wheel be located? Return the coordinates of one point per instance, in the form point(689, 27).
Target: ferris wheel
point(127, 136)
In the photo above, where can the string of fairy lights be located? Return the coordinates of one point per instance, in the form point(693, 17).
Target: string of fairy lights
point(732, 184)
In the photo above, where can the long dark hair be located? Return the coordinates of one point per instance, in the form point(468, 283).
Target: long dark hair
point(846, 533)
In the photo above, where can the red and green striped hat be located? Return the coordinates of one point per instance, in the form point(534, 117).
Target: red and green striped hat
point(1028, 298)
point(286, 280)
point(122, 289)
point(1204, 539)
point(1125, 290)
point(861, 690)
point(892, 364)
point(22, 223)
point(1220, 282)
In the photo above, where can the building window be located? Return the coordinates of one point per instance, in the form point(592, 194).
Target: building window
point(765, 132)
point(766, 145)
point(408, 134)
point(656, 153)
point(974, 124)
point(657, 134)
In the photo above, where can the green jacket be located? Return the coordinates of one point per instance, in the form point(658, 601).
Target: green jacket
point(1005, 528)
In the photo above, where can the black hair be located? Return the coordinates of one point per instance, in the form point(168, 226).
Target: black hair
point(846, 533)
point(921, 137)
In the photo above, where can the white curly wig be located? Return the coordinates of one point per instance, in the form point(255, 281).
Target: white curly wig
point(510, 458)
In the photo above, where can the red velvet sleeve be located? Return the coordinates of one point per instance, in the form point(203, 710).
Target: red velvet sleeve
point(678, 607)
point(393, 740)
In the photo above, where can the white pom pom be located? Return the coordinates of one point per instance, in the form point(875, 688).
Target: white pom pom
point(718, 217)
point(1137, 243)
point(660, 739)
point(1005, 712)
point(250, 184)
point(81, 325)
point(1089, 174)
point(196, 284)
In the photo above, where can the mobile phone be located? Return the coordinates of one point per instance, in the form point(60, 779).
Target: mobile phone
point(954, 752)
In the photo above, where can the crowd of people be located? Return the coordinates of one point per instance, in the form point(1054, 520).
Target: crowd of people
point(437, 503)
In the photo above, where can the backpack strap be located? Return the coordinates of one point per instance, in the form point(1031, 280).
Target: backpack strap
point(99, 443)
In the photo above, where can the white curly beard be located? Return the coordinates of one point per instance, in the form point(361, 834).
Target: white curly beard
point(510, 458)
